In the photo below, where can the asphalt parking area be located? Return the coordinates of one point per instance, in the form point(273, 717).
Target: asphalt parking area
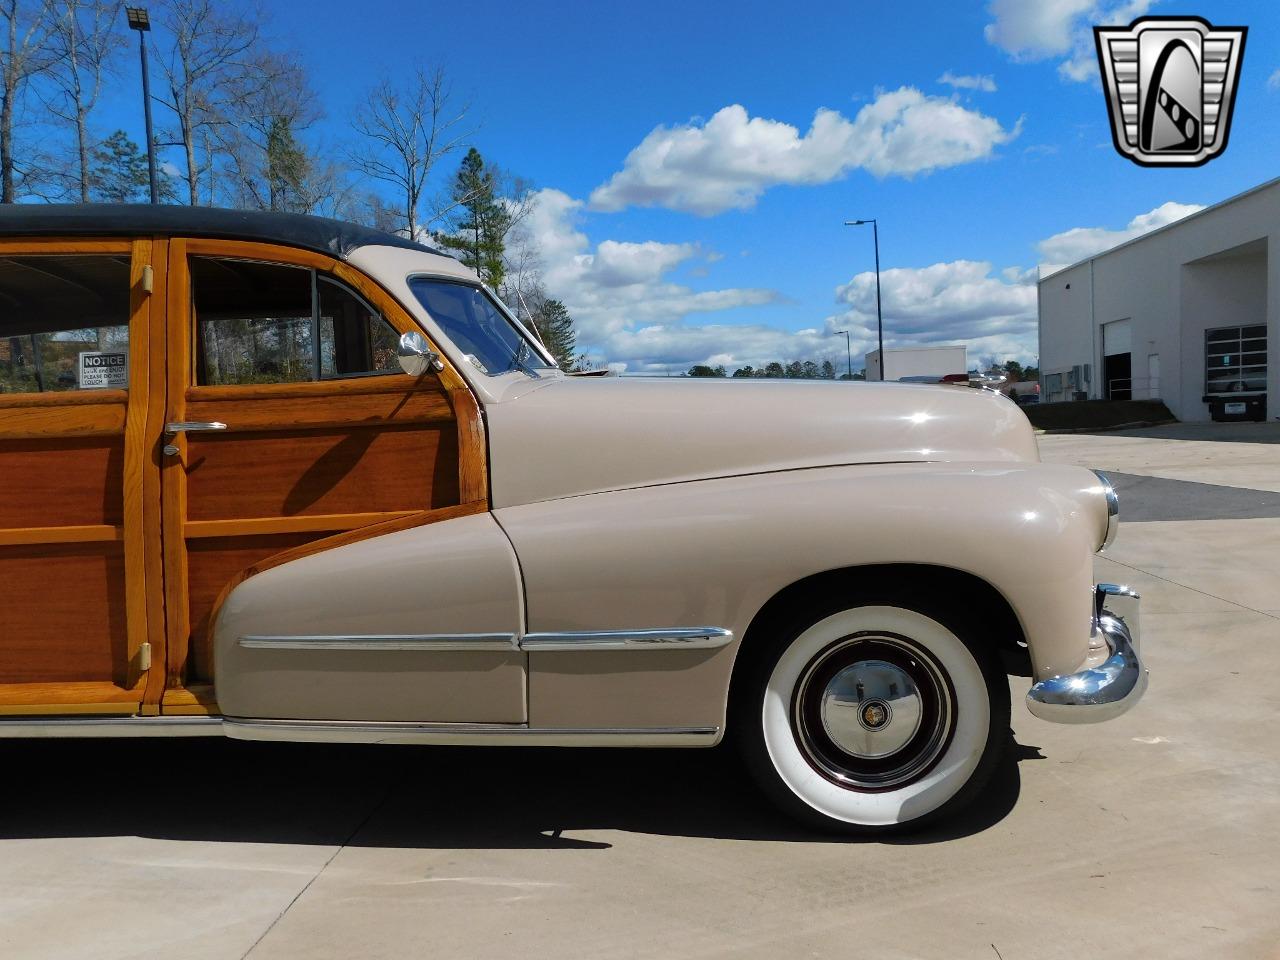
point(1155, 498)
point(1155, 835)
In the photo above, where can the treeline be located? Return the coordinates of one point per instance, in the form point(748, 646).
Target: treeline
point(237, 126)
point(795, 370)
point(826, 370)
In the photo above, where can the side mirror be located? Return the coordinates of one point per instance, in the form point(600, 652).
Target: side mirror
point(416, 356)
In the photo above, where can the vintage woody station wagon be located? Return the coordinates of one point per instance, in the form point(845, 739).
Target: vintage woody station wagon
point(275, 477)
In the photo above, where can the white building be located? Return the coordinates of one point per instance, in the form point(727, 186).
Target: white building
point(932, 361)
point(1185, 314)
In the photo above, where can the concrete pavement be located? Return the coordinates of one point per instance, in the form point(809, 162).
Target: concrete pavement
point(1155, 835)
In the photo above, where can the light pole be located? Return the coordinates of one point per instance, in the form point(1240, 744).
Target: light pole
point(875, 234)
point(848, 349)
point(140, 21)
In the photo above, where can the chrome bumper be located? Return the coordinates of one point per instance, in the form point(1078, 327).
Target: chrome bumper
point(1107, 690)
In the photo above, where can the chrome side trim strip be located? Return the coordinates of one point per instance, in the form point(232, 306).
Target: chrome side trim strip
point(55, 727)
point(685, 638)
point(468, 734)
point(426, 641)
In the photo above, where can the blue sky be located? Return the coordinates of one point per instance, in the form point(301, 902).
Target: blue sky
point(722, 239)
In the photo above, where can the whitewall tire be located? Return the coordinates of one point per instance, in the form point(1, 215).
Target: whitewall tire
point(873, 717)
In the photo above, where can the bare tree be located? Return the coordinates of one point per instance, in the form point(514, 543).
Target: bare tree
point(522, 287)
point(272, 103)
point(25, 55)
point(211, 57)
point(406, 133)
point(83, 43)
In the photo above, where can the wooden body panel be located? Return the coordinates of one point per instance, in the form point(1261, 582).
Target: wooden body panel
point(64, 613)
point(64, 482)
point(289, 473)
point(297, 464)
point(112, 551)
point(73, 613)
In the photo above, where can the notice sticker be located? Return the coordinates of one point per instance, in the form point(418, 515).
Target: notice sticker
point(100, 370)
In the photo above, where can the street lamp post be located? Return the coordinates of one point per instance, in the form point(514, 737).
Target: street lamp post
point(140, 21)
point(875, 234)
point(848, 349)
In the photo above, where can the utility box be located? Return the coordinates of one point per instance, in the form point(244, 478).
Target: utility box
point(933, 361)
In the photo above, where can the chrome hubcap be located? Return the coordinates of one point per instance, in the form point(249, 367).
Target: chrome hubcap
point(873, 711)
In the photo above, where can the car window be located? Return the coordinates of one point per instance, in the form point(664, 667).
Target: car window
point(64, 323)
point(477, 326)
point(275, 323)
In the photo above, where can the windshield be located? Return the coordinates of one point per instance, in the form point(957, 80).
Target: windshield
point(477, 327)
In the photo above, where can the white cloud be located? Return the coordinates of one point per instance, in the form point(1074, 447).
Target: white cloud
point(1031, 30)
point(730, 160)
point(956, 301)
point(984, 82)
point(1071, 246)
point(631, 314)
point(1273, 81)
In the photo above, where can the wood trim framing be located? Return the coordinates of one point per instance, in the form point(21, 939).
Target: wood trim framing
point(407, 522)
point(37, 246)
point(307, 523)
point(71, 398)
point(173, 479)
point(104, 419)
point(136, 462)
point(88, 533)
point(42, 699)
point(75, 415)
point(152, 517)
point(195, 700)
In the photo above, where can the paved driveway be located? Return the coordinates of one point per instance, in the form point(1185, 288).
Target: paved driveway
point(1155, 836)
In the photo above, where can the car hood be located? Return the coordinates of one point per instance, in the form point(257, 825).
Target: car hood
point(570, 436)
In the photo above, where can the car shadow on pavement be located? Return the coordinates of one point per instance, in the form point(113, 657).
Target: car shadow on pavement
point(409, 797)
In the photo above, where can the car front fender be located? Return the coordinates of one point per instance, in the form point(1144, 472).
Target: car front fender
point(712, 553)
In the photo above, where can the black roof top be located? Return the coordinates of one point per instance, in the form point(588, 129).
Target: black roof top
point(333, 237)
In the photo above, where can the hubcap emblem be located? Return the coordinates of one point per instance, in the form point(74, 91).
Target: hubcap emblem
point(875, 714)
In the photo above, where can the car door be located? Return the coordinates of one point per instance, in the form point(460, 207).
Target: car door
point(291, 430)
point(79, 485)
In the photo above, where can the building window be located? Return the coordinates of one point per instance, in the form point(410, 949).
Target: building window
point(1235, 360)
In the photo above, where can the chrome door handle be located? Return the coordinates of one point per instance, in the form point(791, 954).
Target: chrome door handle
point(193, 426)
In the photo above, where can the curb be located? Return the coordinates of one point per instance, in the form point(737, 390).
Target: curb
point(1131, 425)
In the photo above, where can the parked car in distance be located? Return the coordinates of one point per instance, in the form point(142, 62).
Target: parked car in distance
point(273, 477)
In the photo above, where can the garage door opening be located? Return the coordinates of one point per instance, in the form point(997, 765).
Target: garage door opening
point(1117, 361)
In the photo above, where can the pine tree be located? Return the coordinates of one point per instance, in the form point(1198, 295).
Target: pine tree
point(479, 233)
point(119, 171)
point(287, 167)
point(556, 327)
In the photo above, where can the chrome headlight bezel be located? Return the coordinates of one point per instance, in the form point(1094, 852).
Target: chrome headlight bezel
point(1113, 510)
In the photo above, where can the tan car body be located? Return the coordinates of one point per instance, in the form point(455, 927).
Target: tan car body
point(599, 582)
point(628, 505)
